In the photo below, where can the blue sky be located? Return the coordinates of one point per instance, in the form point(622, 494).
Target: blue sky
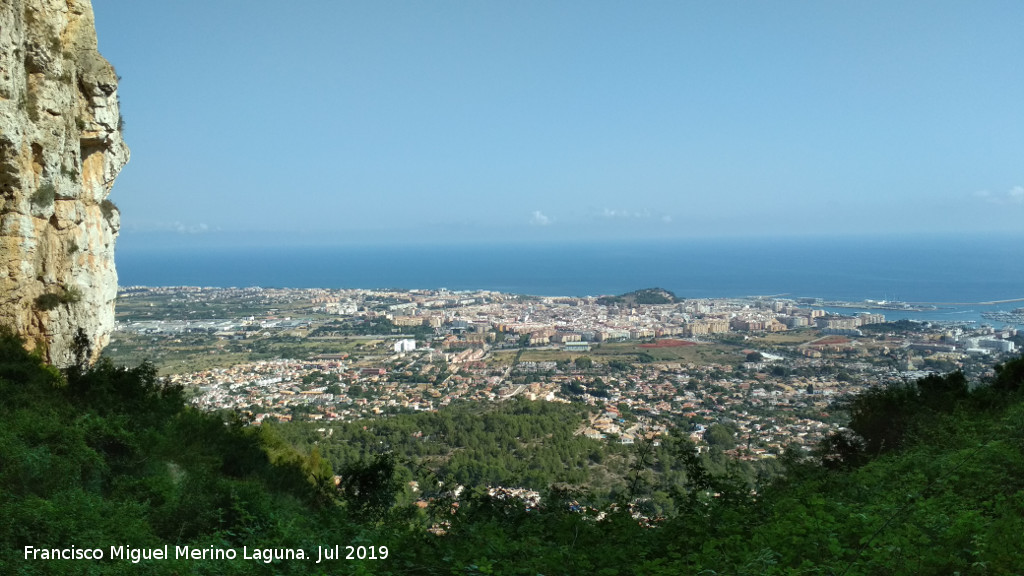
point(333, 121)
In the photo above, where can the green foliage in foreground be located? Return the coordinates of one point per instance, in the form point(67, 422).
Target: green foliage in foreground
point(113, 457)
point(515, 444)
point(929, 480)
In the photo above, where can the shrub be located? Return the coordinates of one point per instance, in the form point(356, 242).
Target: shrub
point(44, 195)
point(108, 208)
point(1010, 376)
point(47, 301)
point(51, 300)
point(71, 295)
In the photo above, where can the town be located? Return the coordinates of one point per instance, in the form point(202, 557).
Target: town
point(751, 376)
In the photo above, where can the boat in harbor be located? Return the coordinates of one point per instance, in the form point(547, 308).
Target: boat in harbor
point(1015, 316)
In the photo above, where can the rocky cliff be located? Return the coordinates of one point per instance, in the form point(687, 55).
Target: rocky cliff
point(60, 150)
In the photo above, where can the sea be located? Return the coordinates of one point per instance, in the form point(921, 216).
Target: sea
point(957, 273)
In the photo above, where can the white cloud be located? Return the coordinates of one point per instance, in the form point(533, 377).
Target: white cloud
point(625, 214)
point(539, 219)
point(1014, 196)
point(176, 226)
point(190, 229)
point(645, 214)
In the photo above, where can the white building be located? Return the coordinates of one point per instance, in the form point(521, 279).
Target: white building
point(405, 345)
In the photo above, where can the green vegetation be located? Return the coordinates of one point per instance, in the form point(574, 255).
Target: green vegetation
point(516, 443)
point(50, 300)
point(108, 208)
point(175, 353)
point(720, 436)
point(166, 307)
point(645, 296)
point(704, 353)
point(928, 480)
point(371, 326)
point(44, 195)
point(898, 326)
point(787, 338)
point(72, 294)
point(110, 456)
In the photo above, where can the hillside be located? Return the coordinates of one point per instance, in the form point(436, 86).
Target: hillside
point(644, 296)
point(932, 483)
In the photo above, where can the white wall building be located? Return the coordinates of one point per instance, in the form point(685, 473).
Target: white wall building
point(405, 345)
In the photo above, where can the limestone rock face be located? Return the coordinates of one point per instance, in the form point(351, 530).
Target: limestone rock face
point(60, 150)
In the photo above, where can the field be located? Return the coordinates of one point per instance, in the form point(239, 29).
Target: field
point(177, 353)
point(702, 353)
point(668, 343)
point(788, 338)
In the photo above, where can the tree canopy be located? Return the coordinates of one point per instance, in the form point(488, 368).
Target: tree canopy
point(927, 479)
